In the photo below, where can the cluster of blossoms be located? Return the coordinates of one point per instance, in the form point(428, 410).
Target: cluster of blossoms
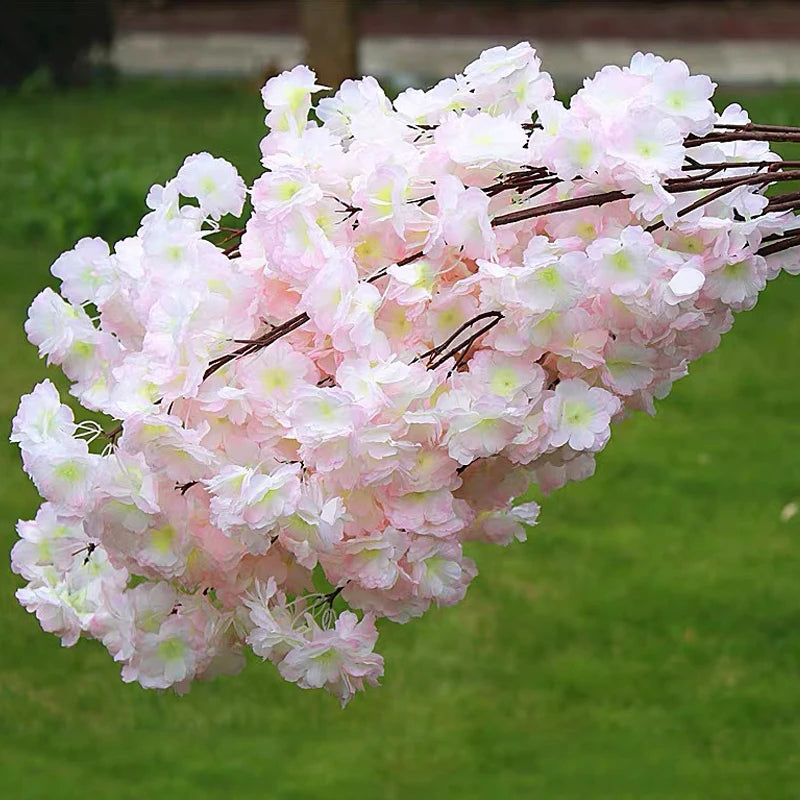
point(433, 305)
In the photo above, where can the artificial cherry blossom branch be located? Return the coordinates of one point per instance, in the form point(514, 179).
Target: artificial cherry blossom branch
point(336, 454)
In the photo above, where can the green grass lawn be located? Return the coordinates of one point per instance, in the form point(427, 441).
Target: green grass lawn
point(645, 642)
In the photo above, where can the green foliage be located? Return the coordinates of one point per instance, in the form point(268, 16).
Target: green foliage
point(80, 164)
point(643, 645)
point(93, 196)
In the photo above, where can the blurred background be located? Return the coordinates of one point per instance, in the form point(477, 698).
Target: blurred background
point(645, 641)
point(402, 41)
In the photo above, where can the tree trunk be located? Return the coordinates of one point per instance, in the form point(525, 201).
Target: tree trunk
point(329, 29)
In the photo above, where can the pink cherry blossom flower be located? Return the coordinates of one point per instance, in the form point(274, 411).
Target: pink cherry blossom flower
point(628, 367)
point(86, 272)
point(464, 217)
point(481, 140)
point(64, 473)
point(477, 428)
point(60, 330)
point(439, 570)
point(48, 541)
point(214, 182)
point(369, 560)
point(166, 656)
point(737, 283)
point(580, 415)
point(244, 496)
point(288, 98)
point(624, 266)
point(42, 418)
point(273, 634)
point(340, 660)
